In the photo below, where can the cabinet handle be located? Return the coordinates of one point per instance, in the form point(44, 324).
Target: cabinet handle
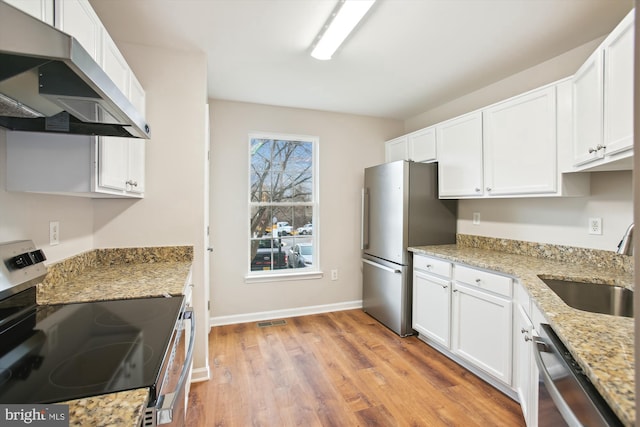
point(600, 147)
point(477, 189)
point(488, 188)
point(132, 183)
point(429, 266)
point(592, 150)
point(444, 286)
point(455, 290)
point(527, 338)
point(478, 280)
point(523, 331)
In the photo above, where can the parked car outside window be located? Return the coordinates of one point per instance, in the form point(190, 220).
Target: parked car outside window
point(305, 229)
point(300, 255)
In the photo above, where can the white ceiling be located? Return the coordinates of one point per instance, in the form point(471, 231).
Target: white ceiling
point(406, 57)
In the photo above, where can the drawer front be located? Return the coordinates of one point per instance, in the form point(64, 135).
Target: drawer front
point(432, 265)
point(492, 282)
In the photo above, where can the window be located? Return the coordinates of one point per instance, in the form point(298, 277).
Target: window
point(283, 202)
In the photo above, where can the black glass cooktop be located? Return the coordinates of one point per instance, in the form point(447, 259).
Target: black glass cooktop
point(63, 352)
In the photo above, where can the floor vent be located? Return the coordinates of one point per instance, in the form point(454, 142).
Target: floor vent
point(268, 323)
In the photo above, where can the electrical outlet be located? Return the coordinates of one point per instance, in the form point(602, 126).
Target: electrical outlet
point(595, 225)
point(334, 274)
point(476, 218)
point(54, 233)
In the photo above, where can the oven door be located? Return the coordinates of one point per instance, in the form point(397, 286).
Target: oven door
point(170, 407)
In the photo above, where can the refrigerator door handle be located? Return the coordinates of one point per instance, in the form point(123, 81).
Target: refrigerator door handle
point(384, 267)
point(364, 232)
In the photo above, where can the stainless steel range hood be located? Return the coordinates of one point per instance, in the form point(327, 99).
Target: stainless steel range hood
point(49, 83)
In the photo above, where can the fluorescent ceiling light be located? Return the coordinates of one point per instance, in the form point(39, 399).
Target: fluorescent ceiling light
point(342, 21)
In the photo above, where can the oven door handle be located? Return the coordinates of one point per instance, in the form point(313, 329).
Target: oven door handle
point(167, 402)
point(539, 347)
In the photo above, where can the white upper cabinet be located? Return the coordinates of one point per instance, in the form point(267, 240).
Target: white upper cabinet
point(396, 149)
point(82, 165)
point(510, 149)
point(603, 103)
point(618, 87)
point(422, 145)
point(78, 19)
point(459, 147)
point(136, 156)
point(520, 144)
point(41, 9)
point(114, 64)
point(418, 146)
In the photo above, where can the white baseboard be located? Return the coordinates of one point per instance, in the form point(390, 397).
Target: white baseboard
point(278, 314)
point(200, 374)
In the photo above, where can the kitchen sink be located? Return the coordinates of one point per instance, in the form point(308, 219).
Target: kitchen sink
point(593, 297)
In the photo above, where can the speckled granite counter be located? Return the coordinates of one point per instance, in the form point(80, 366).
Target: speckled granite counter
point(107, 274)
point(602, 344)
point(123, 409)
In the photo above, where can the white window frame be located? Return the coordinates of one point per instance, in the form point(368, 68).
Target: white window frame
point(313, 272)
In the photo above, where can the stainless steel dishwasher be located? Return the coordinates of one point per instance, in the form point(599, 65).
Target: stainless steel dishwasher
point(566, 397)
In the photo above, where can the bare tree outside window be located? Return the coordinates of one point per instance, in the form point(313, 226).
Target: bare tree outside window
point(282, 203)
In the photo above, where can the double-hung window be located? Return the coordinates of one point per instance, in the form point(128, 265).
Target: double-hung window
point(283, 204)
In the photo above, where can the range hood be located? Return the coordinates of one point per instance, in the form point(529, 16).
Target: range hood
point(49, 83)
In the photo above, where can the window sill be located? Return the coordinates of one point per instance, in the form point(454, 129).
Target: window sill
point(280, 277)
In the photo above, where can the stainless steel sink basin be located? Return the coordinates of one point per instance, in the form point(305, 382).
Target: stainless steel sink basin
point(594, 297)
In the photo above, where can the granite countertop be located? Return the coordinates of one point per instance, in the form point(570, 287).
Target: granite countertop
point(108, 274)
point(603, 345)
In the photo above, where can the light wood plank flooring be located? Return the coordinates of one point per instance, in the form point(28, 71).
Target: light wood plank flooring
point(338, 369)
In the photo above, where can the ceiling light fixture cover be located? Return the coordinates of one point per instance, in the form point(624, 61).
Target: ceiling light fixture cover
point(342, 21)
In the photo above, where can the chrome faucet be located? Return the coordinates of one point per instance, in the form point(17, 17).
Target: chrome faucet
point(625, 247)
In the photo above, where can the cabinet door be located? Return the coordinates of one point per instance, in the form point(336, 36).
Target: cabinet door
point(41, 9)
point(136, 158)
point(396, 149)
point(422, 145)
point(519, 145)
point(523, 361)
point(618, 87)
point(114, 64)
point(112, 162)
point(481, 327)
point(136, 166)
point(77, 18)
point(459, 147)
point(588, 110)
point(431, 307)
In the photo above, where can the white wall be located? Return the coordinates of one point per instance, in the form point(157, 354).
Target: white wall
point(560, 221)
point(27, 216)
point(347, 145)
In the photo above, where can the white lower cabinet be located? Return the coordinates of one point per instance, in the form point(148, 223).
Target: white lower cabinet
point(432, 307)
point(525, 372)
point(481, 329)
point(466, 313)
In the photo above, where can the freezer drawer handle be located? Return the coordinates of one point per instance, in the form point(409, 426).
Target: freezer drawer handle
point(384, 267)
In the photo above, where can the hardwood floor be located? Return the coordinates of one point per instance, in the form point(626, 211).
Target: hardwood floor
point(338, 369)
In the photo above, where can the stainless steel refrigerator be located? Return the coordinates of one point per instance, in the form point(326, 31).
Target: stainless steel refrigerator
point(400, 208)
